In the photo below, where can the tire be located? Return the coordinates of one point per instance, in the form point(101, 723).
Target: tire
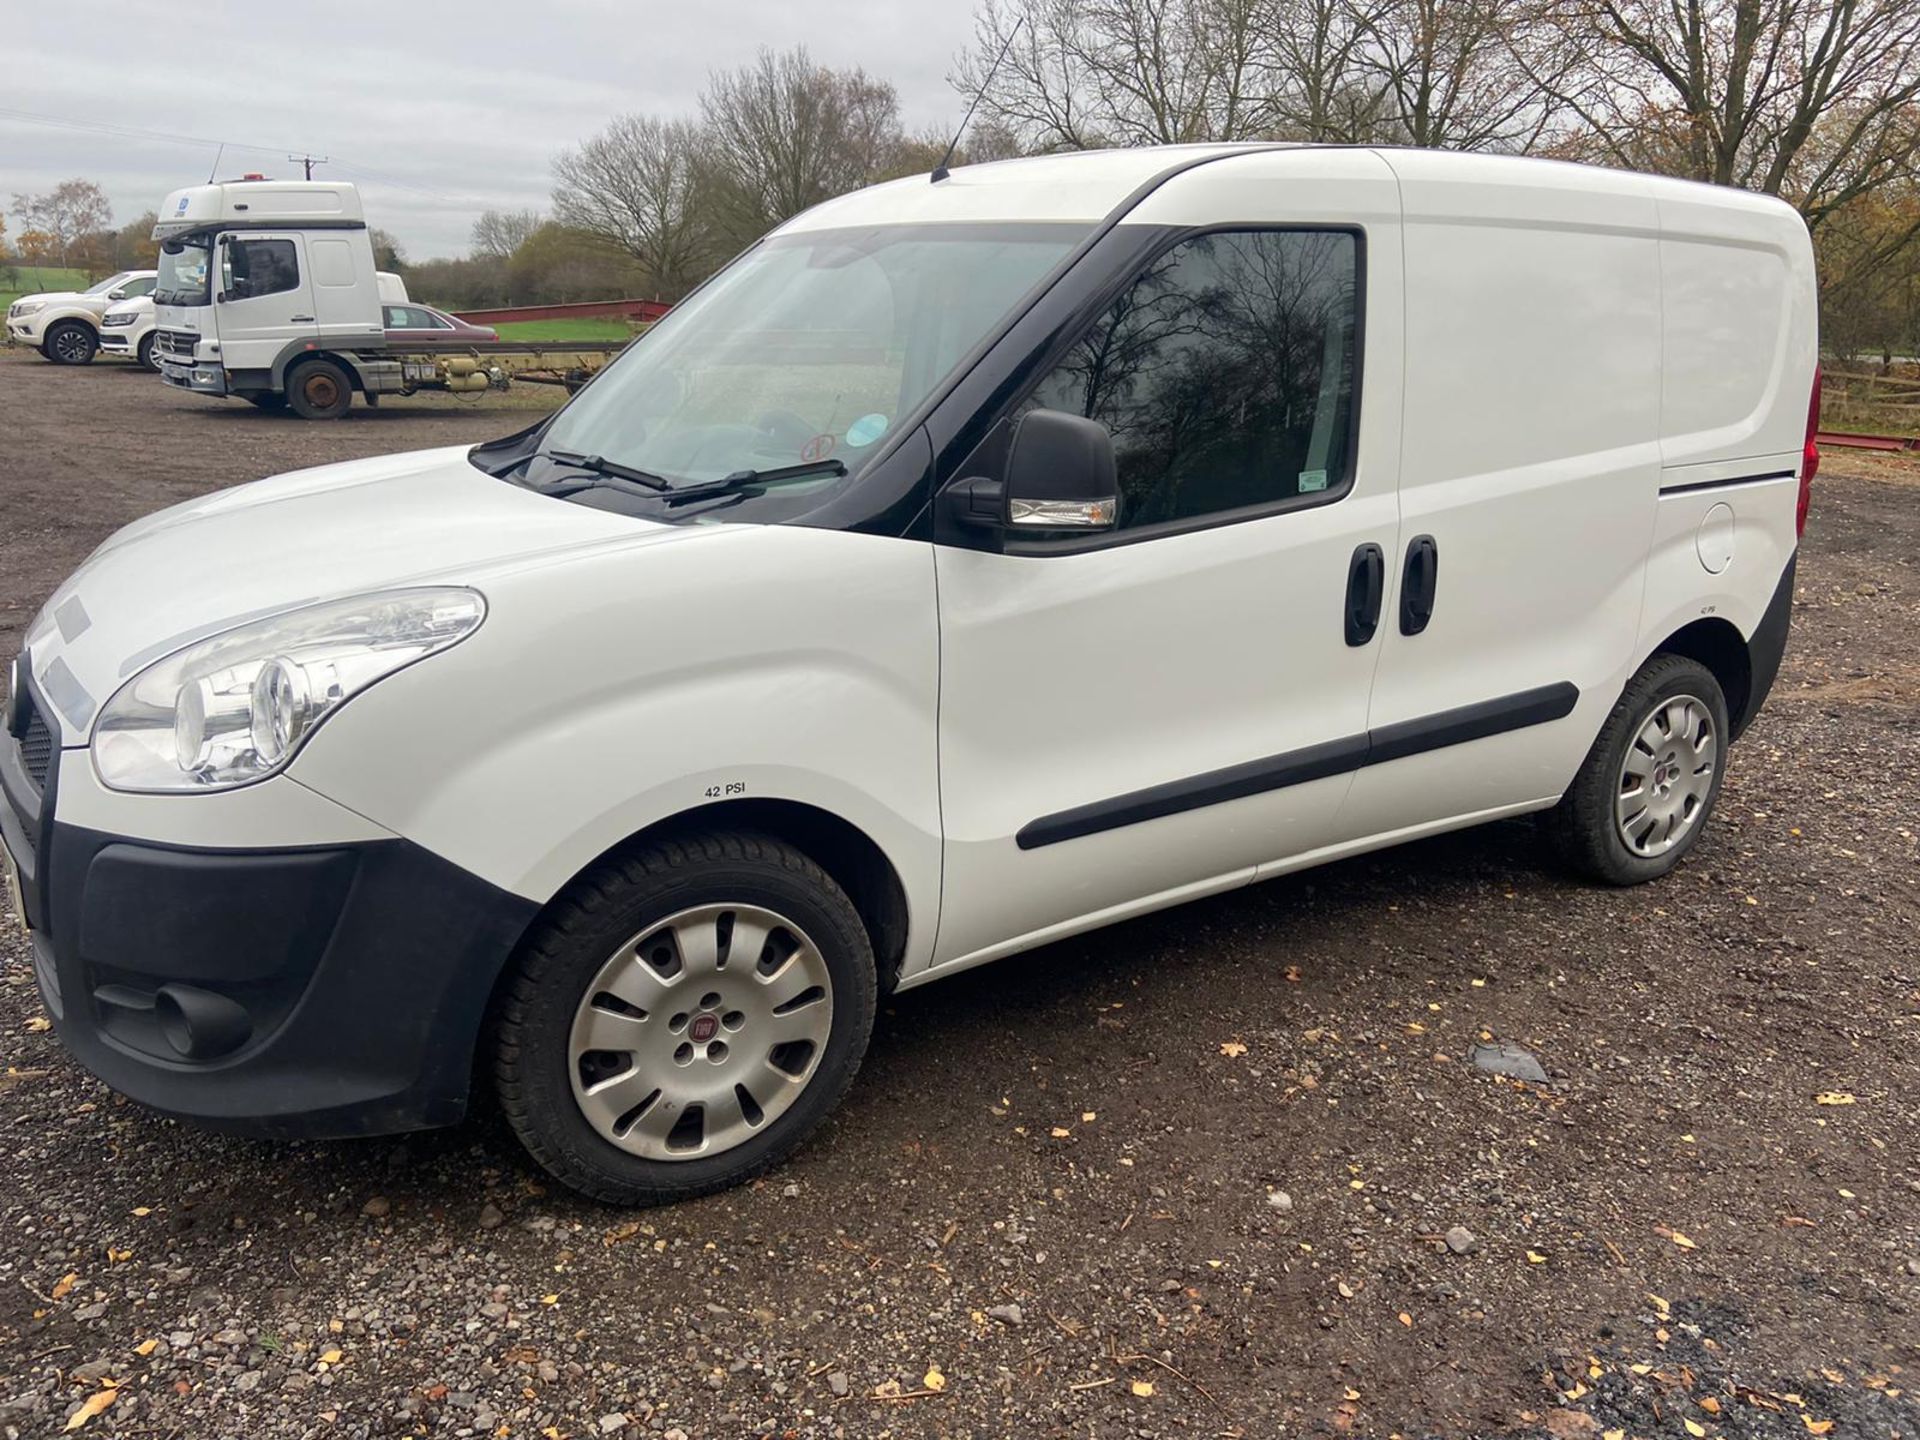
point(319, 390)
point(623, 1096)
point(145, 353)
point(267, 400)
point(71, 342)
point(1626, 826)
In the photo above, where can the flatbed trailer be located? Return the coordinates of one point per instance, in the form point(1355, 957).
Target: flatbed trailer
point(318, 381)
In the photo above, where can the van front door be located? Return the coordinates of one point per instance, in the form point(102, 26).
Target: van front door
point(1142, 716)
point(263, 298)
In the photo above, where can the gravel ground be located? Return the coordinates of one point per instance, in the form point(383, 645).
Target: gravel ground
point(1225, 1171)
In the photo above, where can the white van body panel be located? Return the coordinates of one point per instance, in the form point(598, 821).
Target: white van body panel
point(680, 689)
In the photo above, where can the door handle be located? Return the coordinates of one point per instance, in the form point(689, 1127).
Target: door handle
point(1366, 579)
point(1418, 584)
point(299, 319)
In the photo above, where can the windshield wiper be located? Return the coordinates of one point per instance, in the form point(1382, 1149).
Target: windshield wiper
point(600, 465)
point(751, 479)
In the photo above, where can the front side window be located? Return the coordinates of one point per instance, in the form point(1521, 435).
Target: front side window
point(137, 288)
point(1225, 373)
point(103, 286)
point(259, 267)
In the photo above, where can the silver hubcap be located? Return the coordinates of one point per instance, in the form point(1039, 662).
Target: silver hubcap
point(1667, 776)
point(70, 344)
point(700, 1032)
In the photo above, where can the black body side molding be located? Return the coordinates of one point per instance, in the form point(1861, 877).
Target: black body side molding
point(1314, 762)
point(1730, 481)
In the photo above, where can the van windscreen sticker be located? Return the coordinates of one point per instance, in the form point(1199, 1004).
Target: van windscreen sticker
point(866, 430)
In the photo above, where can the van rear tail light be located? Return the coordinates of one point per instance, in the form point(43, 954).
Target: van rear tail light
point(1809, 458)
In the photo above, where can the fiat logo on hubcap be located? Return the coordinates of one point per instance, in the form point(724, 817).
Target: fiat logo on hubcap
point(703, 1029)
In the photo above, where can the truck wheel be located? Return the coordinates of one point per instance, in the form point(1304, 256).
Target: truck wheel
point(683, 1017)
point(1644, 793)
point(71, 342)
point(145, 353)
point(319, 390)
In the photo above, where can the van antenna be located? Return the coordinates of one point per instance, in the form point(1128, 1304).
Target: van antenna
point(214, 169)
point(940, 171)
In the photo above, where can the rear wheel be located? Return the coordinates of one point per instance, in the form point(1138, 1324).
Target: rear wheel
point(71, 342)
point(1644, 793)
point(145, 353)
point(684, 1018)
point(319, 390)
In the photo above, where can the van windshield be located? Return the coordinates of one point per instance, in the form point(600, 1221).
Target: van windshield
point(183, 272)
point(810, 349)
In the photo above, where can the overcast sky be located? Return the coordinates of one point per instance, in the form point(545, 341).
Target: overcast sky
point(436, 110)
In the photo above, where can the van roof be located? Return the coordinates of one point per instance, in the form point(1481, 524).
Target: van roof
point(1088, 185)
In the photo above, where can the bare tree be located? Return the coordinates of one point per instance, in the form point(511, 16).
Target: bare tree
point(66, 214)
point(1323, 89)
point(1811, 99)
point(1466, 74)
point(1084, 73)
point(783, 134)
point(634, 187)
point(498, 233)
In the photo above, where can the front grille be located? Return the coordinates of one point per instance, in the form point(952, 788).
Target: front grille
point(36, 746)
point(178, 343)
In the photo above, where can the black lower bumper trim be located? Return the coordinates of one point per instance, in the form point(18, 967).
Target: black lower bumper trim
point(347, 984)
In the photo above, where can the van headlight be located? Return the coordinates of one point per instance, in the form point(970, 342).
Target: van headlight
point(236, 707)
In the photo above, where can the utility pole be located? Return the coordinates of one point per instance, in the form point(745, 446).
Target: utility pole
point(308, 161)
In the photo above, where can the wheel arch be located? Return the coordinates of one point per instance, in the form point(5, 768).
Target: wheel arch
point(1716, 643)
point(852, 857)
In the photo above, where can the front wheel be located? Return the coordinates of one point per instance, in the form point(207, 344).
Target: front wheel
point(145, 353)
point(683, 1018)
point(71, 342)
point(319, 390)
point(1644, 793)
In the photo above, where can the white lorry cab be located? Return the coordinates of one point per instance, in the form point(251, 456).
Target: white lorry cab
point(268, 293)
point(973, 562)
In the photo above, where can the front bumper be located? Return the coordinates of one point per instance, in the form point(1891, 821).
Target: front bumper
point(26, 332)
point(116, 341)
point(330, 989)
point(202, 376)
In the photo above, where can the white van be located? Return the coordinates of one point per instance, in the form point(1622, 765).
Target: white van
point(970, 564)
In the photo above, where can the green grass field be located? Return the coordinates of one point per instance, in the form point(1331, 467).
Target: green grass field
point(599, 330)
point(18, 280)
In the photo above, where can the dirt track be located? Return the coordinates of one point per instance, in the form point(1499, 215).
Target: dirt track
point(1077, 1132)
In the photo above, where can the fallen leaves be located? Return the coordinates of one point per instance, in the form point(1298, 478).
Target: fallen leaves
point(1676, 1237)
point(96, 1404)
point(1232, 1049)
point(64, 1285)
point(146, 1348)
point(1816, 1427)
point(934, 1380)
point(1695, 1429)
point(39, 1025)
point(1142, 1388)
point(1834, 1097)
point(1534, 1257)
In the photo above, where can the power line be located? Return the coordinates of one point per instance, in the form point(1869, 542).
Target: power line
point(106, 127)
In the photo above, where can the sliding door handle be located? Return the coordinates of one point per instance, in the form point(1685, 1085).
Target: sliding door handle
point(1366, 581)
point(1418, 583)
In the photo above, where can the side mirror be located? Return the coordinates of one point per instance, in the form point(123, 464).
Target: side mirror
point(1061, 474)
point(119, 294)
